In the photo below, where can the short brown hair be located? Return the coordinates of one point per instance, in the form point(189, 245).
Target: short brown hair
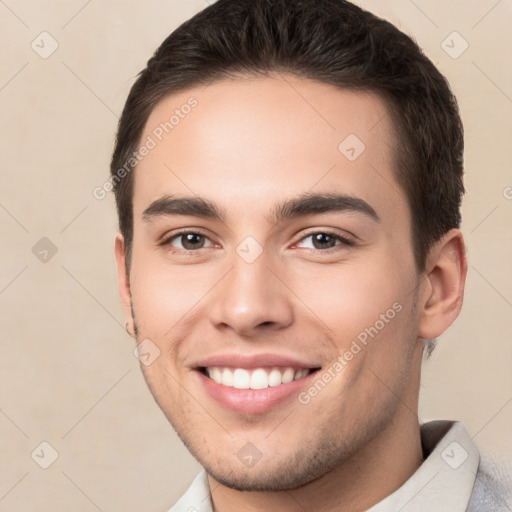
point(331, 41)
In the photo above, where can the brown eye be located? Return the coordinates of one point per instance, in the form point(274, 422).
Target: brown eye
point(192, 241)
point(187, 241)
point(321, 240)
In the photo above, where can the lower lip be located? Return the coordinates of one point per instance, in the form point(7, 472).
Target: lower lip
point(252, 401)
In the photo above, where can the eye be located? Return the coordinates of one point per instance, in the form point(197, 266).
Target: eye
point(322, 240)
point(187, 241)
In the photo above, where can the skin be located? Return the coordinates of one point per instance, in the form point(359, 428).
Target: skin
point(248, 145)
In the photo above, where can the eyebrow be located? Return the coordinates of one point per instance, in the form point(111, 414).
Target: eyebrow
point(305, 204)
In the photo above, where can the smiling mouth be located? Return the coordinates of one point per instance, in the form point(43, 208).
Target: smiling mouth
point(255, 378)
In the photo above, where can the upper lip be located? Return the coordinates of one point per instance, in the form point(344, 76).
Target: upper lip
point(253, 361)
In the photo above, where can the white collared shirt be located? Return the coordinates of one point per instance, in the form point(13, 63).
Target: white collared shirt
point(443, 483)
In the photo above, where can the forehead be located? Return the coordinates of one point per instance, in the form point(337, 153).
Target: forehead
point(246, 143)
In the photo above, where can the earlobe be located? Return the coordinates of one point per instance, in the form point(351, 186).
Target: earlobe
point(443, 288)
point(123, 283)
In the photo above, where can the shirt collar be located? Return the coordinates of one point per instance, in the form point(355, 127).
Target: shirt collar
point(445, 479)
point(197, 498)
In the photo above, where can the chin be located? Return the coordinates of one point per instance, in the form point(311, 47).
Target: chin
point(272, 474)
point(263, 481)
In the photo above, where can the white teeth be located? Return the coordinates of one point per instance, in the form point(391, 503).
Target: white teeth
point(287, 376)
point(274, 378)
point(217, 376)
point(301, 373)
point(259, 378)
point(241, 379)
point(227, 377)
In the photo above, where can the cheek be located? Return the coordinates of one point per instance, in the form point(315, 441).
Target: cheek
point(164, 295)
point(351, 297)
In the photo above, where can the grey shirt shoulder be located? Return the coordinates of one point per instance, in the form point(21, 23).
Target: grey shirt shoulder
point(492, 490)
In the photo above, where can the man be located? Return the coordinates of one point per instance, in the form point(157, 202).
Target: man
point(288, 176)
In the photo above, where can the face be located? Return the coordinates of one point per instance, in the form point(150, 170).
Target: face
point(272, 273)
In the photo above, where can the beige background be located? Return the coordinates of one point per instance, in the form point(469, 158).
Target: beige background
point(67, 372)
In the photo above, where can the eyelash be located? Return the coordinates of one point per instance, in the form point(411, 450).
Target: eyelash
point(343, 241)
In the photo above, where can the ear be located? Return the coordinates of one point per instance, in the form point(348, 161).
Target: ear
point(442, 289)
point(123, 283)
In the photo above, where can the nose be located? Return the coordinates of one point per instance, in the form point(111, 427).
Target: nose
point(251, 298)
